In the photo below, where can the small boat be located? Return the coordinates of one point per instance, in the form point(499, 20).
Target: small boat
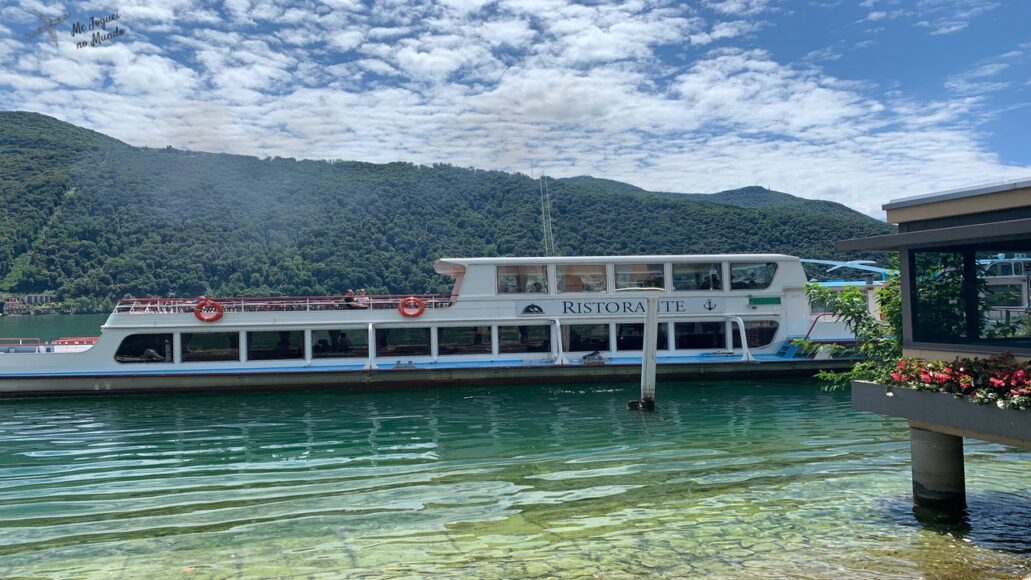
point(35, 345)
point(508, 320)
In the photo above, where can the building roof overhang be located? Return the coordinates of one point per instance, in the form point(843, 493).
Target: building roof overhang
point(989, 233)
point(960, 202)
point(956, 194)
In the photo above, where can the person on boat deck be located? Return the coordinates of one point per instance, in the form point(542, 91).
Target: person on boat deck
point(361, 300)
point(349, 298)
point(537, 287)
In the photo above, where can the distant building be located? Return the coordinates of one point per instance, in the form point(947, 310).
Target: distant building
point(34, 299)
point(13, 306)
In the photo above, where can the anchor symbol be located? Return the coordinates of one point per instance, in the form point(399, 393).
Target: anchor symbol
point(709, 305)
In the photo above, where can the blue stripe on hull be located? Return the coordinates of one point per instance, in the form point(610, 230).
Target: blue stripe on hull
point(702, 359)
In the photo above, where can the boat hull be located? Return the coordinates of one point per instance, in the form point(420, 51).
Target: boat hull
point(101, 384)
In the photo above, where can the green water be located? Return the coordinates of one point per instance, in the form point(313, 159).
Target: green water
point(727, 479)
point(51, 326)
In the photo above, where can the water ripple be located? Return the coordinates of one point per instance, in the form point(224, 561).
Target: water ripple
point(726, 479)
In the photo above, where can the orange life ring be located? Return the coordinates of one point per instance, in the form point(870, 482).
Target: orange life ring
point(208, 310)
point(411, 307)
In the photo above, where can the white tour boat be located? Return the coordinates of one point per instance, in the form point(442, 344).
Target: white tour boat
point(508, 320)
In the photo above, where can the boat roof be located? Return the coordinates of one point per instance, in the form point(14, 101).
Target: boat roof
point(865, 265)
point(615, 259)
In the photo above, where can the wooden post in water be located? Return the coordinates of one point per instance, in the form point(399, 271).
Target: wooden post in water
point(648, 354)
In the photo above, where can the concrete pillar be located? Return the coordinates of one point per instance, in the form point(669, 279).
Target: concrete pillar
point(938, 477)
point(649, 352)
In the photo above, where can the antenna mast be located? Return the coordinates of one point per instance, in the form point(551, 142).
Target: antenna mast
point(549, 234)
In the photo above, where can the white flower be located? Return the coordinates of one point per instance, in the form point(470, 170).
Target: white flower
point(889, 394)
point(1000, 404)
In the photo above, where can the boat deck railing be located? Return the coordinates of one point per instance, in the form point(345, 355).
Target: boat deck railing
point(277, 304)
point(20, 341)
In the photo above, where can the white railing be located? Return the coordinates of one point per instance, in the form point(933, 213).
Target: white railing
point(260, 304)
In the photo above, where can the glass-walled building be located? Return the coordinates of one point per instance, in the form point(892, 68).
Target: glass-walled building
point(965, 263)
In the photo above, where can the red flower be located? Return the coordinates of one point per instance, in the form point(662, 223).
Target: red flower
point(997, 383)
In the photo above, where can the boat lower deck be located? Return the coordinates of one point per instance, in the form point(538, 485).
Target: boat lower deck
point(355, 377)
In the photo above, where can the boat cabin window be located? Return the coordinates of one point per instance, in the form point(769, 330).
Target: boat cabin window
point(582, 278)
point(759, 333)
point(275, 345)
point(631, 336)
point(639, 276)
point(210, 346)
point(516, 339)
point(346, 343)
point(819, 307)
point(145, 348)
point(1004, 295)
point(463, 340)
point(402, 341)
point(692, 335)
point(695, 276)
point(585, 337)
point(522, 279)
point(752, 275)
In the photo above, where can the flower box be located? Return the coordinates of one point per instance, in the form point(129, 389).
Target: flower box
point(945, 413)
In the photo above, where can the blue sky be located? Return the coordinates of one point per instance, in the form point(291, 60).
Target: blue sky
point(857, 101)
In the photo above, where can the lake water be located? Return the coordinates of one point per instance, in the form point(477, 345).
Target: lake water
point(51, 326)
point(727, 479)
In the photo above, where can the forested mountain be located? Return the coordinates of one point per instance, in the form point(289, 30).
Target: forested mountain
point(750, 197)
point(89, 217)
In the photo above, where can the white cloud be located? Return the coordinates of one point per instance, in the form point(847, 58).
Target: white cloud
point(344, 4)
point(154, 74)
point(950, 16)
point(732, 29)
point(465, 6)
point(511, 33)
point(984, 77)
point(71, 73)
point(828, 53)
point(346, 40)
point(377, 66)
point(633, 91)
point(737, 7)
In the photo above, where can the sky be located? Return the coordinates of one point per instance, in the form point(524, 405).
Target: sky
point(855, 101)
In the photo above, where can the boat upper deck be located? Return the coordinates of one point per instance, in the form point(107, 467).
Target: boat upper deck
point(277, 304)
point(443, 265)
point(488, 288)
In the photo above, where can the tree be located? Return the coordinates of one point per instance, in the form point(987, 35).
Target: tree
point(878, 342)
